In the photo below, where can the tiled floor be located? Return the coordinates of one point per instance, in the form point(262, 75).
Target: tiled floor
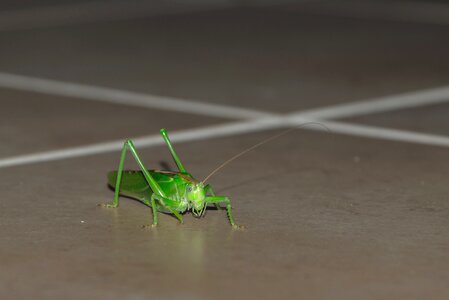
point(328, 216)
point(428, 119)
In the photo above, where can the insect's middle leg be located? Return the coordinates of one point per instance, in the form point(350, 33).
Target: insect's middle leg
point(169, 204)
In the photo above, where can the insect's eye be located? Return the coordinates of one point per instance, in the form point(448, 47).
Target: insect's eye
point(189, 188)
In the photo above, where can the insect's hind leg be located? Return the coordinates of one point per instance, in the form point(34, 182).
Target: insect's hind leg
point(128, 145)
point(172, 151)
point(115, 202)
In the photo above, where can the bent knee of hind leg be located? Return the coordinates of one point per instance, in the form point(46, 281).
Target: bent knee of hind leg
point(128, 142)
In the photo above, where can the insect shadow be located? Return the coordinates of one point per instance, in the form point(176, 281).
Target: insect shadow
point(164, 165)
point(133, 199)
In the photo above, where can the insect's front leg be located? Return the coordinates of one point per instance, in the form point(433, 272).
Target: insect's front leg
point(210, 192)
point(225, 200)
point(167, 203)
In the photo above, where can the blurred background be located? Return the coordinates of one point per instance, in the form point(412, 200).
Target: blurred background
point(360, 215)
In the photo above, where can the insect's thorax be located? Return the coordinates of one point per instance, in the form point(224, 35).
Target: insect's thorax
point(183, 188)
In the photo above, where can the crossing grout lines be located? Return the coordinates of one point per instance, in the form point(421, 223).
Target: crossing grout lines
point(253, 120)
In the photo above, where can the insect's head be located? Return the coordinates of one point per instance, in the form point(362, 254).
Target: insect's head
point(196, 196)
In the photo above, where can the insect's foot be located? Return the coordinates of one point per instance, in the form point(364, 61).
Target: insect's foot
point(107, 205)
point(149, 226)
point(238, 227)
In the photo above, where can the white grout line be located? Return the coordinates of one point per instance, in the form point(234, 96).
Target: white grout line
point(146, 141)
point(231, 129)
point(384, 133)
point(384, 104)
point(102, 94)
point(255, 120)
point(94, 93)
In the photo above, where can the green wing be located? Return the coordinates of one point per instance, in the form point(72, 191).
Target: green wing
point(135, 186)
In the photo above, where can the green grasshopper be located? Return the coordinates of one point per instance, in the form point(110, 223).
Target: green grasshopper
point(165, 191)
point(174, 192)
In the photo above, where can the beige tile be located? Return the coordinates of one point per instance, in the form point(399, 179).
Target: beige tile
point(332, 217)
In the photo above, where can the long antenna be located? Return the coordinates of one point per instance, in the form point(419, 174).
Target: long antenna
point(260, 144)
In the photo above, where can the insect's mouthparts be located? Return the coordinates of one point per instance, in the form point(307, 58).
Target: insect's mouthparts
point(195, 212)
point(198, 212)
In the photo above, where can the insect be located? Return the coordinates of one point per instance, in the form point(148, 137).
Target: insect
point(173, 192)
point(165, 191)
